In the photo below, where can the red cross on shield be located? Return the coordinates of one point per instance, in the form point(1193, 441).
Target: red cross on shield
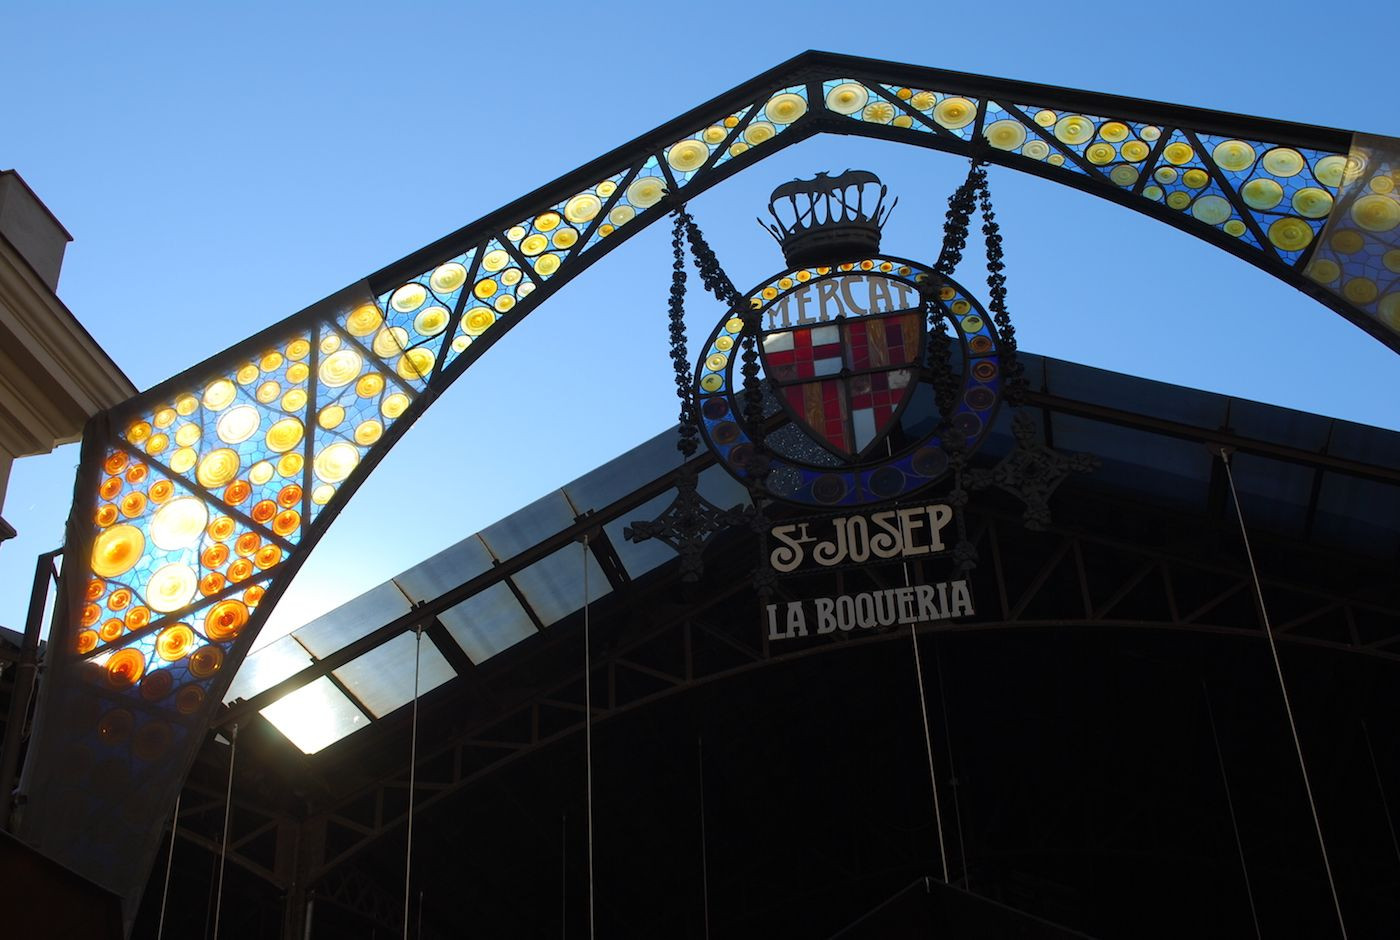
point(846, 381)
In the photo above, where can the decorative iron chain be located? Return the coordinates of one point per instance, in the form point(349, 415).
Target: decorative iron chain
point(680, 356)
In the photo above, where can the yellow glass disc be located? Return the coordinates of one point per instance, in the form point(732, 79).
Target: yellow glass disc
point(260, 473)
point(322, 494)
point(716, 362)
point(923, 100)
point(1261, 194)
point(1135, 151)
point(1312, 203)
point(165, 417)
point(1036, 149)
point(390, 342)
point(504, 302)
point(1149, 133)
point(157, 444)
point(546, 265)
point(1391, 260)
point(460, 343)
point(784, 108)
point(646, 191)
point(1113, 131)
point(187, 434)
point(1124, 175)
point(330, 417)
point(734, 325)
point(431, 322)
point(219, 394)
point(495, 260)
point(330, 343)
point(1389, 310)
point(1284, 161)
point(368, 432)
point(290, 465)
point(295, 400)
point(712, 382)
point(1211, 209)
point(1046, 118)
point(878, 112)
point(1347, 241)
point(1178, 153)
point(1100, 154)
point(1376, 213)
point(238, 424)
point(1234, 227)
point(448, 277)
point(340, 368)
point(408, 298)
point(510, 277)
point(218, 468)
point(684, 156)
point(565, 238)
point(724, 343)
point(1074, 129)
point(1006, 134)
point(1165, 174)
point(1329, 170)
point(171, 587)
point(416, 364)
point(183, 459)
point(619, 216)
point(1324, 270)
point(268, 392)
point(547, 222)
point(1290, 234)
point(394, 405)
point(476, 321)
point(1056, 159)
point(284, 435)
point(713, 134)
point(515, 233)
point(1178, 200)
point(903, 120)
point(534, 244)
point(1194, 178)
point(116, 551)
point(369, 385)
point(485, 288)
point(246, 374)
point(271, 362)
point(586, 206)
point(336, 462)
point(186, 405)
point(847, 98)
point(737, 148)
point(954, 113)
point(363, 320)
point(1233, 155)
point(1380, 184)
point(1152, 192)
point(758, 132)
point(297, 349)
point(1360, 290)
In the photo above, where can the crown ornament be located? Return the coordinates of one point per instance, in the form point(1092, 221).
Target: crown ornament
point(828, 219)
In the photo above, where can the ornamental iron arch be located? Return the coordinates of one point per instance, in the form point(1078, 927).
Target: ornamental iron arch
point(197, 501)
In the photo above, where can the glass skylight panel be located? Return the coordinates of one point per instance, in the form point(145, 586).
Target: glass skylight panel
point(553, 586)
point(640, 557)
point(446, 570)
point(350, 621)
point(268, 666)
point(382, 679)
point(315, 716)
point(524, 528)
point(487, 623)
point(616, 478)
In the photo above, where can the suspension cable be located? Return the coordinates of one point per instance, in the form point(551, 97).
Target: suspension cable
point(169, 863)
point(228, 812)
point(412, 779)
point(1283, 689)
point(1230, 802)
point(928, 740)
point(952, 766)
point(588, 731)
point(1380, 788)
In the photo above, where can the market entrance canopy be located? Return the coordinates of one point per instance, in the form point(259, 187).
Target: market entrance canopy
point(198, 500)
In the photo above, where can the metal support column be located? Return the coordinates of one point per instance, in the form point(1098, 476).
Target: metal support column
point(25, 680)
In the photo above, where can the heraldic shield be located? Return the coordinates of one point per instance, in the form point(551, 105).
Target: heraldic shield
point(847, 380)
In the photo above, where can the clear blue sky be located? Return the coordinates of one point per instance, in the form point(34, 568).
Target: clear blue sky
point(223, 166)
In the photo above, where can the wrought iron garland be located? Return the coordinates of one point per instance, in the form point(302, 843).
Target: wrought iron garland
point(680, 356)
point(1012, 371)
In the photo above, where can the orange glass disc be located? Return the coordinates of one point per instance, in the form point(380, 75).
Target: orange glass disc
point(214, 556)
point(111, 630)
point(221, 528)
point(237, 492)
point(157, 685)
point(267, 556)
point(205, 661)
point(188, 699)
point(136, 473)
point(137, 617)
point(115, 462)
point(161, 490)
point(125, 667)
point(286, 522)
point(264, 511)
point(95, 589)
point(87, 642)
point(91, 614)
point(253, 595)
point(106, 515)
point(289, 496)
point(225, 620)
point(110, 487)
point(212, 583)
point(174, 643)
point(240, 570)
point(120, 599)
point(133, 504)
point(247, 543)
